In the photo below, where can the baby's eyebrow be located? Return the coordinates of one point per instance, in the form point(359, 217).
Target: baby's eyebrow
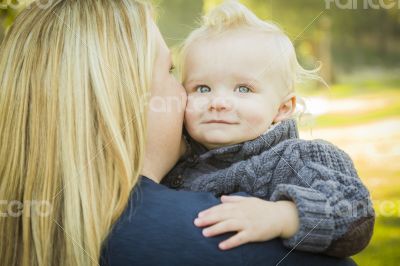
point(252, 82)
point(248, 81)
point(192, 81)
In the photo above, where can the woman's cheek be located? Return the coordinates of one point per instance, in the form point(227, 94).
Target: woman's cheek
point(183, 101)
point(178, 96)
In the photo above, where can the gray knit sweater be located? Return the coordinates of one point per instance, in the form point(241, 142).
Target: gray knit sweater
point(335, 210)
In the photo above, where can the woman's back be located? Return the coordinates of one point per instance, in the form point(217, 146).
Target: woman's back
point(157, 229)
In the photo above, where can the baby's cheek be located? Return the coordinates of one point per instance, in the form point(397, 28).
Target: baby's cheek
point(258, 118)
point(191, 115)
point(195, 106)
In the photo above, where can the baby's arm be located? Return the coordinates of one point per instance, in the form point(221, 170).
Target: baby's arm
point(335, 210)
point(320, 179)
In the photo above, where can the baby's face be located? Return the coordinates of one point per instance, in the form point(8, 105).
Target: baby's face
point(233, 90)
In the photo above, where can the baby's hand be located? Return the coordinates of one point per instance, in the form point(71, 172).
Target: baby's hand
point(253, 219)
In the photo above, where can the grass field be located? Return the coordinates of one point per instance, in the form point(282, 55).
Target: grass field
point(368, 128)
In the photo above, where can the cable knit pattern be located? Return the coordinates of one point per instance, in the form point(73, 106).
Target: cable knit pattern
point(317, 176)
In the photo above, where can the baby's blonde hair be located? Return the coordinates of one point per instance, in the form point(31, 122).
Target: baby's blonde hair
point(232, 15)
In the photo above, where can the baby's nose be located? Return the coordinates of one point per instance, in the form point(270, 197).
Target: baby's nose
point(221, 103)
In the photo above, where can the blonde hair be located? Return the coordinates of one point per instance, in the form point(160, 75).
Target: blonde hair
point(73, 89)
point(232, 15)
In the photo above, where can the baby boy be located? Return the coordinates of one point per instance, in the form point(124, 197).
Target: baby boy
point(240, 75)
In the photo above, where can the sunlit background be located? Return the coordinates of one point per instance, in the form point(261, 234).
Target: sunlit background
point(358, 43)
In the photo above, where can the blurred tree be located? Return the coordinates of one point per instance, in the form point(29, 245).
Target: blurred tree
point(7, 17)
point(301, 21)
point(8, 11)
point(177, 18)
point(355, 37)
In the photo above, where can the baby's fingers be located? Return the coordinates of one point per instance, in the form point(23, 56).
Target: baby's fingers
point(214, 215)
point(221, 228)
point(239, 239)
point(208, 220)
point(226, 199)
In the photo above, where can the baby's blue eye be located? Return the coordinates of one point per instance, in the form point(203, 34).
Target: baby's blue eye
point(203, 89)
point(242, 89)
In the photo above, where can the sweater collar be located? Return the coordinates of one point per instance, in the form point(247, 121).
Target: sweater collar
point(284, 130)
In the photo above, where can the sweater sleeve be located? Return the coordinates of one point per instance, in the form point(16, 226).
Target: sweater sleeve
point(335, 210)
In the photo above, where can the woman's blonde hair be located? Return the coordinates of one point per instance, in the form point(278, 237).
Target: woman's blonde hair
point(73, 89)
point(232, 15)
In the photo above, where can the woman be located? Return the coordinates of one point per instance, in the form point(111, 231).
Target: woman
point(78, 126)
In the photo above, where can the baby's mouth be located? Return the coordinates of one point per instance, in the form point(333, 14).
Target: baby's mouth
point(220, 122)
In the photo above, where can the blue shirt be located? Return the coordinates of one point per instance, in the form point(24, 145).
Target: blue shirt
point(157, 229)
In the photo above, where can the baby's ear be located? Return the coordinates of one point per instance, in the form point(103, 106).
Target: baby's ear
point(286, 109)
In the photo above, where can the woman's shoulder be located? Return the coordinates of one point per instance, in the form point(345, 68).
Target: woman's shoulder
point(151, 194)
point(149, 197)
point(157, 229)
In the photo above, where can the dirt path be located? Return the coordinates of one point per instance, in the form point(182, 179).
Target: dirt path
point(374, 148)
point(323, 105)
point(375, 143)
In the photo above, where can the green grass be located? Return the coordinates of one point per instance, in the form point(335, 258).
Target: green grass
point(355, 88)
point(382, 181)
point(389, 111)
point(388, 90)
point(362, 88)
point(385, 244)
point(384, 247)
